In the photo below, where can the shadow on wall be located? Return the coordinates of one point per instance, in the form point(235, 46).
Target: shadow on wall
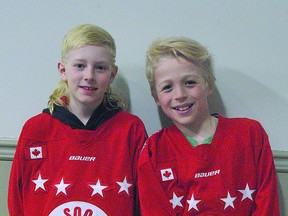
point(215, 106)
point(120, 87)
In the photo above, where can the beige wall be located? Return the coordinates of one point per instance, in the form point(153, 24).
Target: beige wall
point(248, 40)
point(4, 176)
point(7, 150)
point(283, 193)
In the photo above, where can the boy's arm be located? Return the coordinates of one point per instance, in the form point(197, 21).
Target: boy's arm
point(15, 200)
point(267, 195)
point(139, 138)
point(153, 199)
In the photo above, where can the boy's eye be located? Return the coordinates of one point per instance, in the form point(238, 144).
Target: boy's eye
point(167, 88)
point(102, 68)
point(80, 66)
point(190, 82)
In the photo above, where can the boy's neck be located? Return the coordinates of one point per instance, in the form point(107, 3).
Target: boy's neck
point(83, 113)
point(202, 131)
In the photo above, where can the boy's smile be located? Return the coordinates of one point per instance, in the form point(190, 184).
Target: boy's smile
point(183, 107)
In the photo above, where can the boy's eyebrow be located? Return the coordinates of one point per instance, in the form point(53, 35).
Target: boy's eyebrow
point(188, 76)
point(80, 60)
point(193, 76)
point(96, 61)
point(163, 82)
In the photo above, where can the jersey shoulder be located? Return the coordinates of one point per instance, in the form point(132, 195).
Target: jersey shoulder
point(39, 126)
point(124, 118)
point(241, 123)
point(129, 117)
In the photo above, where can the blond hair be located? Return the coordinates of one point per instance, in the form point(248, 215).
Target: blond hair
point(84, 35)
point(175, 47)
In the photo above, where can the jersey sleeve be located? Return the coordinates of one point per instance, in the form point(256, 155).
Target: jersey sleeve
point(153, 199)
point(267, 195)
point(139, 136)
point(15, 196)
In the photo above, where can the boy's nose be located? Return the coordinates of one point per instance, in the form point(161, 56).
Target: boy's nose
point(89, 74)
point(180, 93)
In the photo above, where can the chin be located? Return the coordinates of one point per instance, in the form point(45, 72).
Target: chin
point(184, 123)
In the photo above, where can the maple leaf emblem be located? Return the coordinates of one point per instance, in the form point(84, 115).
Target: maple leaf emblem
point(36, 152)
point(167, 174)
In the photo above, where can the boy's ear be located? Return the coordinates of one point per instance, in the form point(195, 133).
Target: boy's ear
point(156, 101)
point(62, 71)
point(113, 73)
point(210, 88)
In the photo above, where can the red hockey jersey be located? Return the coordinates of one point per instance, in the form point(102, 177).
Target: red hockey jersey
point(62, 171)
point(234, 175)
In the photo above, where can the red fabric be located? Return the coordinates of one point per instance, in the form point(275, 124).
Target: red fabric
point(238, 158)
point(77, 160)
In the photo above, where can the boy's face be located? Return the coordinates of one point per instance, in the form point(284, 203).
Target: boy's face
point(88, 73)
point(181, 91)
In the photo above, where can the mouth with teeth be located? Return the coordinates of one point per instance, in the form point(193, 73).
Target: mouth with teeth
point(88, 88)
point(183, 108)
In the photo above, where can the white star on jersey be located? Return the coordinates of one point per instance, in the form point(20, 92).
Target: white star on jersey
point(176, 201)
point(193, 203)
point(247, 193)
point(40, 183)
point(124, 186)
point(61, 187)
point(98, 188)
point(228, 201)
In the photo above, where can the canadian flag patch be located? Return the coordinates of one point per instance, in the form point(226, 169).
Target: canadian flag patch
point(36, 152)
point(167, 174)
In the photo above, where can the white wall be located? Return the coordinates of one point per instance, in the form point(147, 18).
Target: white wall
point(248, 39)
